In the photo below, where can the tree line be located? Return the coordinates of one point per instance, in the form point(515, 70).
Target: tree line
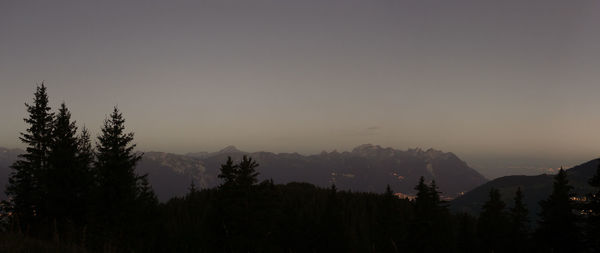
point(64, 188)
point(71, 195)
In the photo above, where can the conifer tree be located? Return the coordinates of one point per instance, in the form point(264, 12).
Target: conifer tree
point(332, 225)
point(519, 223)
point(428, 202)
point(389, 194)
point(228, 173)
point(87, 182)
point(389, 222)
point(145, 194)
point(192, 189)
point(423, 201)
point(86, 154)
point(115, 170)
point(491, 226)
point(557, 229)
point(333, 189)
point(66, 180)
point(236, 199)
point(24, 186)
point(429, 231)
point(246, 174)
point(440, 206)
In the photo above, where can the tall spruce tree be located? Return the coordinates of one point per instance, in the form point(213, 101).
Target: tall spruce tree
point(87, 183)
point(24, 185)
point(519, 223)
point(192, 190)
point(492, 223)
point(66, 180)
point(247, 175)
point(389, 194)
point(85, 159)
point(423, 201)
point(237, 197)
point(115, 171)
point(145, 195)
point(557, 230)
point(388, 222)
point(228, 173)
point(429, 231)
point(86, 153)
point(437, 202)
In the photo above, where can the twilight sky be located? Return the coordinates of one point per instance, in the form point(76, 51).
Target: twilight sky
point(483, 79)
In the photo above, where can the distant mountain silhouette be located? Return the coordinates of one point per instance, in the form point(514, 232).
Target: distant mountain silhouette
point(365, 168)
point(171, 175)
point(535, 188)
point(227, 150)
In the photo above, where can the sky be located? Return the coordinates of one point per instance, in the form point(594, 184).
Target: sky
point(496, 82)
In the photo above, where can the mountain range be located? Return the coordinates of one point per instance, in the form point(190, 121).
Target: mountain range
point(366, 168)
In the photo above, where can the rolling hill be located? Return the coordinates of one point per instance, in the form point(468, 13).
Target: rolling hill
point(534, 188)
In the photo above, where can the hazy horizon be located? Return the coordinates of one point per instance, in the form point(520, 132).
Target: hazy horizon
point(510, 83)
point(490, 166)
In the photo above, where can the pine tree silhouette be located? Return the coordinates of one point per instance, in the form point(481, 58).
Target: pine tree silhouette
point(228, 173)
point(437, 203)
point(86, 153)
point(492, 223)
point(429, 231)
point(246, 174)
point(192, 189)
point(115, 172)
point(85, 158)
point(423, 201)
point(67, 179)
point(389, 194)
point(145, 196)
point(24, 187)
point(237, 198)
point(519, 224)
point(557, 229)
point(388, 221)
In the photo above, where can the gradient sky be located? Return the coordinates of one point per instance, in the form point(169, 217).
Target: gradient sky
point(483, 79)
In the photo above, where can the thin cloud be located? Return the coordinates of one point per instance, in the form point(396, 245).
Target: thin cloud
point(372, 130)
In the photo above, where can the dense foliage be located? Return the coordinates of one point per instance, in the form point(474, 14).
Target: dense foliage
point(66, 196)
